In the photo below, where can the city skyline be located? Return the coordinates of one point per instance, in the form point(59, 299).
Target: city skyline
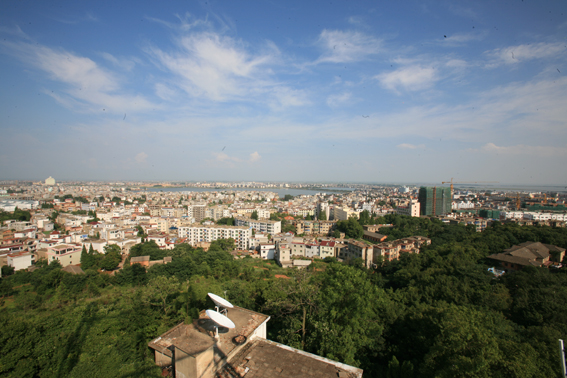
point(335, 92)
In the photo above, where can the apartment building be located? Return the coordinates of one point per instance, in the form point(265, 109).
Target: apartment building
point(171, 212)
point(355, 249)
point(263, 213)
point(297, 249)
point(322, 207)
point(199, 212)
point(268, 226)
point(315, 227)
point(200, 233)
point(311, 250)
point(341, 213)
point(326, 249)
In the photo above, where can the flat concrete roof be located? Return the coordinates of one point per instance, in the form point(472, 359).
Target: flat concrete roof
point(268, 359)
point(199, 336)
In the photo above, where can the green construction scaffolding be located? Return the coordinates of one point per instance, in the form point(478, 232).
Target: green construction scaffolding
point(434, 200)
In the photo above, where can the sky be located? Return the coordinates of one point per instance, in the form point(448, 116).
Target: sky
point(352, 91)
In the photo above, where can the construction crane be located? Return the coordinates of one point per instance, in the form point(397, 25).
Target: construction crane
point(467, 182)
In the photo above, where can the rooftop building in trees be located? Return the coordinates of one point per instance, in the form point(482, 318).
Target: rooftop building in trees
point(192, 351)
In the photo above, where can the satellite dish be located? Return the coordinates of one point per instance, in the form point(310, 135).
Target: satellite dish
point(220, 302)
point(220, 319)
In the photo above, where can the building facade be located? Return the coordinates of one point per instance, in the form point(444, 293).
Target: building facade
point(199, 233)
point(435, 200)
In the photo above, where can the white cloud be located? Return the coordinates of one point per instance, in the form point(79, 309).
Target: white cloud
point(407, 146)
point(338, 99)
point(412, 78)
point(255, 156)
point(222, 157)
point(521, 53)
point(165, 92)
point(283, 97)
point(534, 111)
point(141, 157)
point(87, 83)
point(215, 66)
point(346, 46)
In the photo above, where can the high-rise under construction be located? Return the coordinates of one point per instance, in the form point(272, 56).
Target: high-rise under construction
point(434, 200)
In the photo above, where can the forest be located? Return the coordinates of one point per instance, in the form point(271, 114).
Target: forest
point(439, 313)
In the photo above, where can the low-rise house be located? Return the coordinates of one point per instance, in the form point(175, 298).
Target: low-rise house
point(311, 250)
point(326, 249)
point(20, 260)
point(267, 251)
point(142, 260)
point(66, 254)
point(283, 254)
point(97, 244)
point(374, 237)
point(529, 254)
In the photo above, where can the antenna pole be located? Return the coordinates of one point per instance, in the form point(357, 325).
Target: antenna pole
point(562, 350)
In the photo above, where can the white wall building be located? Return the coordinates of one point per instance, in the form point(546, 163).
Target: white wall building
point(411, 210)
point(268, 226)
point(267, 251)
point(20, 260)
point(200, 233)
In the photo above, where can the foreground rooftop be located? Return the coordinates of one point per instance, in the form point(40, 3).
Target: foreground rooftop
point(191, 350)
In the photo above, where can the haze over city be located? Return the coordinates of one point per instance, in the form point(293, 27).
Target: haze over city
point(284, 91)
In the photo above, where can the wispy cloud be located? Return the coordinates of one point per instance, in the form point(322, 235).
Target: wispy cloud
point(536, 110)
point(222, 157)
point(522, 53)
point(412, 78)
point(521, 149)
point(186, 22)
point(87, 83)
point(459, 39)
point(338, 99)
point(208, 65)
point(126, 64)
point(408, 146)
point(214, 66)
point(141, 157)
point(346, 46)
point(284, 97)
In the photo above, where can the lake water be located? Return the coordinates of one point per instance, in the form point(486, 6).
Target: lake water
point(280, 191)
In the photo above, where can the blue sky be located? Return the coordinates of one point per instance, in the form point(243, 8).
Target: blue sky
point(364, 91)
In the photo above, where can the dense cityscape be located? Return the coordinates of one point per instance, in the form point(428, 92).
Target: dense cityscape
point(137, 233)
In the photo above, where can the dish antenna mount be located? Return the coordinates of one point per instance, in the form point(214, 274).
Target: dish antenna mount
point(221, 304)
point(220, 321)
